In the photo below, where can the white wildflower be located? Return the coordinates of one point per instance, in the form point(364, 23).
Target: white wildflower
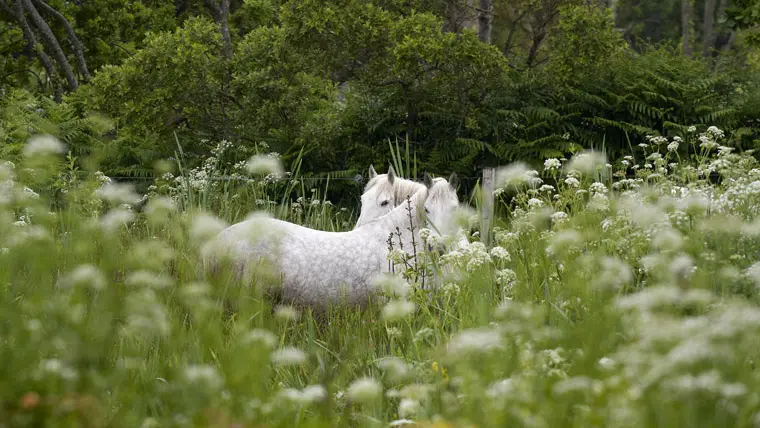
point(398, 309)
point(715, 132)
point(394, 367)
point(682, 266)
point(265, 165)
point(204, 375)
point(451, 289)
point(535, 203)
point(391, 285)
point(146, 278)
point(260, 336)
point(505, 277)
point(425, 234)
point(576, 384)
point(559, 217)
point(286, 313)
point(84, 275)
point(552, 164)
point(587, 161)
point(512, 174)
point(118, 193)
point(116, 218)
point(673, 146)
point(572, 182)
point(597, 187)
point(667, 240)
point(364, 390)
point(564, 241)
point(159, 208)
point(475, 341)
point(499, 253)
point(44, 145)
point(398, 256)
point(288, 356)
point(308, 395)
point(614, 274)
point(408, 407)
point(205, 227)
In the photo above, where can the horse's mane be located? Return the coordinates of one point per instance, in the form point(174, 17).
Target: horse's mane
point(403, 188)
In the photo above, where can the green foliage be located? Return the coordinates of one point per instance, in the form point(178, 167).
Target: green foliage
point(583, 42)
point(178, 82)
point(745, 14)
point(113, 30)
point(23, 114)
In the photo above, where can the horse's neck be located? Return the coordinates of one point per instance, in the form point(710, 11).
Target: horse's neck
point(403, 217)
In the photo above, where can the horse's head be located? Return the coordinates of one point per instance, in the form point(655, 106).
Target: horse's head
point(440, 205)
point(383, 193)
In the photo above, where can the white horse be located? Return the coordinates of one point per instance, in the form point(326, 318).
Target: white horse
point(318, 268)
point(383, 193)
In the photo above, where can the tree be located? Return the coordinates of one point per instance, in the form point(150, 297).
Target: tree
point(745, 15)
point(36, 30)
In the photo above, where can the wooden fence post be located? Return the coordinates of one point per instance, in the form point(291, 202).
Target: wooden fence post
point(489, 176)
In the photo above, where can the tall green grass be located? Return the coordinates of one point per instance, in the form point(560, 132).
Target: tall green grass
point(635, 307)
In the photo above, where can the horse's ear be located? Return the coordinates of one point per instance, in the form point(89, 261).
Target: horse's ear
point(454, 180)
point(372, 172)
point(428, 180)
point(391, 174)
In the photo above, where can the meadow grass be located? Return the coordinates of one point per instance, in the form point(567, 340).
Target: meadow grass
point(621, 294)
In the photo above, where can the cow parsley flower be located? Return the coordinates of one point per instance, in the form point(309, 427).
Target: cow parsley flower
point(552, 164)
point(559, 217)
point(499, 253)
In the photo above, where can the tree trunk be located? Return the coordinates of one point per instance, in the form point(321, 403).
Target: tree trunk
point(708, 35)
point(75, 43)
point(470, 21)
point(730, 42)
point(51, 43)
point(485, 17)
point(686, 27)
point(16, 10)
point(221, 12)
point(718, 15)
point(533, 52)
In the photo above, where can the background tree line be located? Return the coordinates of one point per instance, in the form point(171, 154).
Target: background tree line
point(467, 82)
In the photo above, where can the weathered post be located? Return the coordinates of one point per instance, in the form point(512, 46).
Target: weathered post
point(489, 176)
